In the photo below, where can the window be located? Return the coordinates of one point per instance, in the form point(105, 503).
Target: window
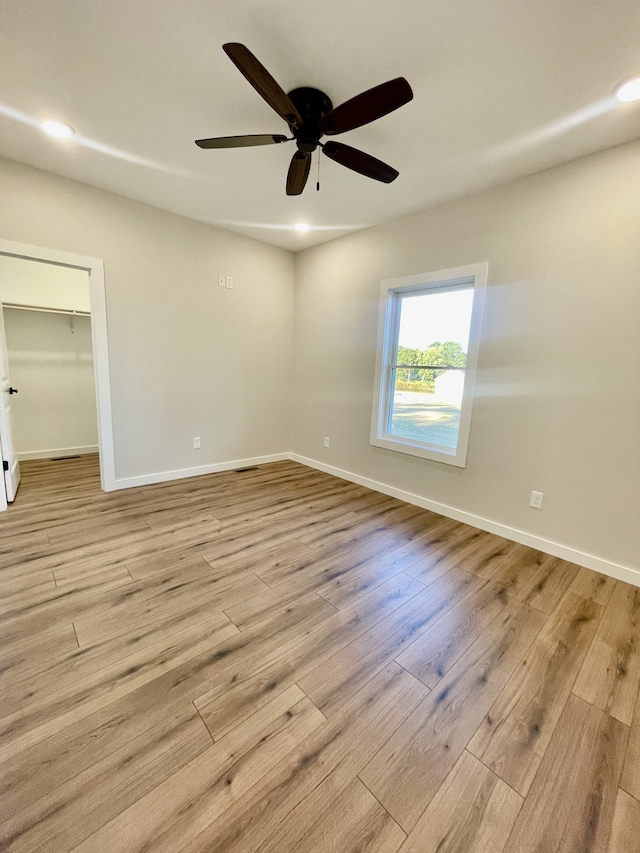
point(427, 356)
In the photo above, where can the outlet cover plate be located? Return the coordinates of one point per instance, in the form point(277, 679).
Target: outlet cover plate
point(536, 500)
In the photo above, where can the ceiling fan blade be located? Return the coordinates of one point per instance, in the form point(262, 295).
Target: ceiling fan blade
point(241, 141)
point(358, 161)
point(263, 82)
point(298, 172)
point(367, 106)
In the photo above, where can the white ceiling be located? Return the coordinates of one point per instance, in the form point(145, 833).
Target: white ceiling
point(502, 88)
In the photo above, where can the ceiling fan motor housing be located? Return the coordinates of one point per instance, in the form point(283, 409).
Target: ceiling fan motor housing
point(313, 105)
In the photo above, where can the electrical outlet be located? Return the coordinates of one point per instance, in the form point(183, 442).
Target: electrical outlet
point(327, 441)
point(221, 281)
point(536, 500)
point(229, 282)
point(196, 443)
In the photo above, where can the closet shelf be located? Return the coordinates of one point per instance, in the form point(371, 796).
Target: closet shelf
point(46, 310)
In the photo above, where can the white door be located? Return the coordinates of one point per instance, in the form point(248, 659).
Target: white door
point(9, 460)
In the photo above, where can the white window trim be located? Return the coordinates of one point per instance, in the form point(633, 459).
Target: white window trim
point(472, 274)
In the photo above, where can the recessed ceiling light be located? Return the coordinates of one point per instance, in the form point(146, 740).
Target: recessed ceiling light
point(301, 226)
point(629, 91)
point(58, 129)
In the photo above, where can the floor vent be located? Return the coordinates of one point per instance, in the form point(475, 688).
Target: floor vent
point(62, 458)
point(250, 468)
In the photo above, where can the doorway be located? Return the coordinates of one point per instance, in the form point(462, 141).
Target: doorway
point(87, 320)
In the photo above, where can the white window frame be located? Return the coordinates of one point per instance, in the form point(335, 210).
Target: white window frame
point(391, 291)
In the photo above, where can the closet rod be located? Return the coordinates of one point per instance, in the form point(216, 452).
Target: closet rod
point(46, 310)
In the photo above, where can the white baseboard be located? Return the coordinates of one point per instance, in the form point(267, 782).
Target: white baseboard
point(183, 473)
point(56, 452)
point(555, 549)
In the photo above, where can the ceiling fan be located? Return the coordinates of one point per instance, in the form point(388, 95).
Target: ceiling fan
point(310, 116)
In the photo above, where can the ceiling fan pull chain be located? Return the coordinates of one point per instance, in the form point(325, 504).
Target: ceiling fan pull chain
point(318, 183)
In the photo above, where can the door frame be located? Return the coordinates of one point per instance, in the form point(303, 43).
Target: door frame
point(98, 302)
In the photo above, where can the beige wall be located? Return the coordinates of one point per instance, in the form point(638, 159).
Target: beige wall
point(51, 364)
point(43, 285)
point(558, 406)
point(187, 358)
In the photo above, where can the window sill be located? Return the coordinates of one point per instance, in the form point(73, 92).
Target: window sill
point(423, 451)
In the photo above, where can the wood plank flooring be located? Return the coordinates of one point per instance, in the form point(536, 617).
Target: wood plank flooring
point(278, 661)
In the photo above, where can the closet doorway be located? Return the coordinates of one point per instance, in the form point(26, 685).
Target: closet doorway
point(56, 400)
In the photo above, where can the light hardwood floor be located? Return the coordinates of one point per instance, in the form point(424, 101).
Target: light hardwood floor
point(278, 661)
